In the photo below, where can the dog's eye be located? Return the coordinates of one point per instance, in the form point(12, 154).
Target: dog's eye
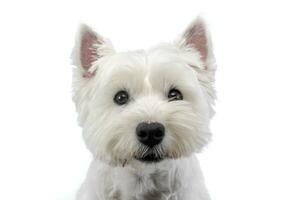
point(174, 95)
point(121, 97)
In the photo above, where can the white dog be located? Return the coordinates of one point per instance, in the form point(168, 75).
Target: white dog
point(144, 115)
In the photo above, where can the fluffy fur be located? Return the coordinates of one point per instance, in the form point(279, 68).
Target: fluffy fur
point(109, 129)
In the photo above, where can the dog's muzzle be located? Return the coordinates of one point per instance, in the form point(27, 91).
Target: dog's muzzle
point(150, 135)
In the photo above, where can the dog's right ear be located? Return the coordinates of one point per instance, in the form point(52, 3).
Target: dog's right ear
point(89, 47)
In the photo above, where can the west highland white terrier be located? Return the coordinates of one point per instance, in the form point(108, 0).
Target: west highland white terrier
point(145, 115)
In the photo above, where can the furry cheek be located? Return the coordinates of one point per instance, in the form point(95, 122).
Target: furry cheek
point(188, 130)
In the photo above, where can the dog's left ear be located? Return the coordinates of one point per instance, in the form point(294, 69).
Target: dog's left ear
point(197, 49)
point(197, 37)
point(89, 47)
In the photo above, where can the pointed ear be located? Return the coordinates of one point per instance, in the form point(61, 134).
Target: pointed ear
point(89, 47)
point(197, 48)
point(197, 37)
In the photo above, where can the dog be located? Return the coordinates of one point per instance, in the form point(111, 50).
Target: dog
point(144, 115)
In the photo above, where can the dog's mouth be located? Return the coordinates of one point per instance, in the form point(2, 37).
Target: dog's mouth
point(150, 158)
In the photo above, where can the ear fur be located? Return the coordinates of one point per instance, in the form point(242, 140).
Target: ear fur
point(196, 42)
point(89, 47)
point(197, 37)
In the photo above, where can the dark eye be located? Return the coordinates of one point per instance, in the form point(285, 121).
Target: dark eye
point(121, 97)
point(174, 95)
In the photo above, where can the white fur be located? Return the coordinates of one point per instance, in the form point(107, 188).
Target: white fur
point(109, 129)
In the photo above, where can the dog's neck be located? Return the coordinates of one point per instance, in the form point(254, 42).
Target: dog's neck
point(145, 180)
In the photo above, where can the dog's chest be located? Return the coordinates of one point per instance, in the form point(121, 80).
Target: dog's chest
point(158, 185)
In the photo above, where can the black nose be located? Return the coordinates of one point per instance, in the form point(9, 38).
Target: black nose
point(150, 134)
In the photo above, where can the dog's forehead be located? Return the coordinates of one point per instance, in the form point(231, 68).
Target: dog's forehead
point(148, 63)
point(164, 53)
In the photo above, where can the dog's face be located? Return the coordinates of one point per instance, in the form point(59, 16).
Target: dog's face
point(144, 106)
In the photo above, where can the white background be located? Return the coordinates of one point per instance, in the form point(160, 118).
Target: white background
point(256, 147)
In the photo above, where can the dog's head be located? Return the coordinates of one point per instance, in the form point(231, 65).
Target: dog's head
point(144, 105)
